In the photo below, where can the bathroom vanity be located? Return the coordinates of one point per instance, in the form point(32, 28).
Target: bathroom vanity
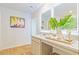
point(46, 46)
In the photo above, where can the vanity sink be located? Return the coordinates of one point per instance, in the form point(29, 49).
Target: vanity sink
point(72, 46)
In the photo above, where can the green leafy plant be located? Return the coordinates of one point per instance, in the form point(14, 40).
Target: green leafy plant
point(53, 23)
point(63, 20)
point(68, 22)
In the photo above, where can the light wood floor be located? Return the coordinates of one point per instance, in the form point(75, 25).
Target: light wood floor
point(22, 50)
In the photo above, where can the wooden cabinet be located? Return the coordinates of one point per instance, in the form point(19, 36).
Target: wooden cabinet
point(36, 46)
point(40, 48)
point(46, 47)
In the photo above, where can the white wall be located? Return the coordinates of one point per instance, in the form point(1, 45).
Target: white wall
point(78, 17)
point(11, 37)
point(36, 19)
point(0, 30)
point(34, 24)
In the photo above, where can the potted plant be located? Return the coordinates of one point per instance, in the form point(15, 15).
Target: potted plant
point(55, 25)
point(68, 23)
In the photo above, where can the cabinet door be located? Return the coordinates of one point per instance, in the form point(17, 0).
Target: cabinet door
point(46, 49)
point(36, 48)
point(40, 48)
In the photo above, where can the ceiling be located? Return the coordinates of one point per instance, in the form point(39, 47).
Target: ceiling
point(24, 7)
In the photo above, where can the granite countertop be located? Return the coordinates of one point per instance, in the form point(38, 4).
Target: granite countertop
point(74, 46)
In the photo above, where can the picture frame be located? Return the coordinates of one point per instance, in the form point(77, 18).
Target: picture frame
point(17, 22)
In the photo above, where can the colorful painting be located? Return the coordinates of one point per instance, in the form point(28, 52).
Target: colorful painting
point(17, 22)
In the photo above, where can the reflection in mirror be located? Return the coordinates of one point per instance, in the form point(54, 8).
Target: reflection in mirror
point(44, 20)
point(60, 11)
point(66, 9)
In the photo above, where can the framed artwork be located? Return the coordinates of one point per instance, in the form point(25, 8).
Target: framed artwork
point(17, 22)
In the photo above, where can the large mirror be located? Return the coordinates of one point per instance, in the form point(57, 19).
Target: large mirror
point(66, 9)
point(59, 11)
point(44, 20)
